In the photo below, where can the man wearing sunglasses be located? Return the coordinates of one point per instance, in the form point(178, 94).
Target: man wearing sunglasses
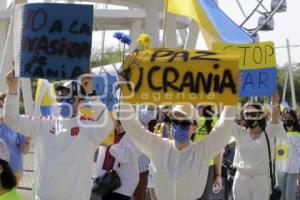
point(64, 147)
point(180, 166)
point(69, 96)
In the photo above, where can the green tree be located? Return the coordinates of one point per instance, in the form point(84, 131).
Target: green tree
point(110, 55)
point(280, 84)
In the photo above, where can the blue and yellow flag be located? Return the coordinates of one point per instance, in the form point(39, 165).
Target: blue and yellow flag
point(257, 65)
point(44, 98)
point(215, 25)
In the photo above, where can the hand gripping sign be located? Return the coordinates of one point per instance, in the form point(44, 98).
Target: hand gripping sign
point(52, 41)
point(105, 88)
point(258, 66)
point(175, 75)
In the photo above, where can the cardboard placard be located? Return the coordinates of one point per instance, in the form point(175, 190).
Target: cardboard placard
point(174, 75)
point(52, 40)
point(258, 67)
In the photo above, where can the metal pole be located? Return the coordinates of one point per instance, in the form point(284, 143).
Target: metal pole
point(3, 4)
point(291, 75)
point(192, 36)
point(269, 17)
point(285, 83)
point(241, 8)
point(253, 11)
point(103, 36)
point(152, 20)
point(165, 23)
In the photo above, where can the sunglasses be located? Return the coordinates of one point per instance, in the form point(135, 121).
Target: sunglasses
point(60, 99)
point(182, 123)
point(252, 114)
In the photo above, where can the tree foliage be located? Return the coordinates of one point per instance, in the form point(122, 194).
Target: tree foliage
point(280, 84)
point(110, 55)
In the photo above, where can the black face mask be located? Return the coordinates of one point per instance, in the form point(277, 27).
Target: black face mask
point(254, 123)
point(251, 123)
point(166, 119)
point(288, 123)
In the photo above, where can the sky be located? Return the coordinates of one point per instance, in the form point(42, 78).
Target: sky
point(286, 26)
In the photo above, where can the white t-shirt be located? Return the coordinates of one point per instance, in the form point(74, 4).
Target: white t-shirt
point(251, 156)
point(126, 154)
point(64, 150)
point(179, 175)
point(287, 153)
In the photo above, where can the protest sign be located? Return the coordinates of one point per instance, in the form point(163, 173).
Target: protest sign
point(52, 41)
point(105, 88)
point(258, 67)
point(176, 75)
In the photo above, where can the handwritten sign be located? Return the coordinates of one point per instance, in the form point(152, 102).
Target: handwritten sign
point(105, 87)
point(176, 75)
point(53, 41)
point(258, 67)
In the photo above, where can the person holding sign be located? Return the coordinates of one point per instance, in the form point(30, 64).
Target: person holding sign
point(64, 147)
point(178, 163)
point(252, 180)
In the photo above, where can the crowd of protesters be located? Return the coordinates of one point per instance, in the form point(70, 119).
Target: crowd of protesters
point(168, 152)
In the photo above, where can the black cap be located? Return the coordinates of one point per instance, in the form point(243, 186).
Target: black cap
point(73, 87)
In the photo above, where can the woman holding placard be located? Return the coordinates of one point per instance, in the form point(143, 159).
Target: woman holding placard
point(178, 164)
point(252, 180)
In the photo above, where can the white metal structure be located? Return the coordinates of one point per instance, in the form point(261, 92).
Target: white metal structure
point(137, 16)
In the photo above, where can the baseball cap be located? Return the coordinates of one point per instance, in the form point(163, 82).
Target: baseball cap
point(4, 154)
point(188, 111)
point(73, 87)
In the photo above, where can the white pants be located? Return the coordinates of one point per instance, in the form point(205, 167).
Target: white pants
point(246, 187)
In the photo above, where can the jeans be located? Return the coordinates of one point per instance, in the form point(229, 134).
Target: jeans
point(287, 182)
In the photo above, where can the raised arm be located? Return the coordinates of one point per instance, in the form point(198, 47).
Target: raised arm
point(275, 128)
point(220, 135)
point(275, 113)
point(12, 117)
point(102, 124)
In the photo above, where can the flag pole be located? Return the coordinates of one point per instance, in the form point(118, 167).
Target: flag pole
point(165, 23)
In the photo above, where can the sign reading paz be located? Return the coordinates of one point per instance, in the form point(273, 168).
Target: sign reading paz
point(258, 67)
point(52, 41)
point(176, 75)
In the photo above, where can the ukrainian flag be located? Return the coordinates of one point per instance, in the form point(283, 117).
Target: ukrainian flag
point(44, 98)
point(215, 25)
point(257, 65)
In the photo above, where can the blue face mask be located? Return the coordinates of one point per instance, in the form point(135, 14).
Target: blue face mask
point(65, 107)
point(180, 134)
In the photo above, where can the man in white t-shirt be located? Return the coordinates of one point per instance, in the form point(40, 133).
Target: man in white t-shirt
point(64, 147)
